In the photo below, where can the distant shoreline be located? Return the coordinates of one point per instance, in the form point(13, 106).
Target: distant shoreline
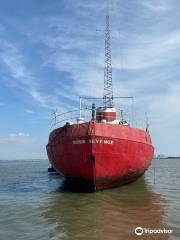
point(166, 157)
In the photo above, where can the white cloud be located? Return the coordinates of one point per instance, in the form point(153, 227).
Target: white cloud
point(148, 51)
point(157, 6)
point(21, 77)
point(13, 59)
point(19, 134)
point(38, 96)
point(29, 111)
point(165, 108)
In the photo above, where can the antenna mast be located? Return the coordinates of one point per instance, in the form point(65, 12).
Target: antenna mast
point(108, 89)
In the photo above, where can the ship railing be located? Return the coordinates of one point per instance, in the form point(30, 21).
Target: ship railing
point(135, 120)
point(70, 117)
point(125, 110)
point(85, 115)
point(142, 121)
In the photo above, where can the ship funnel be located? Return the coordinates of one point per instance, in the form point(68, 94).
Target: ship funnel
point(105, 114)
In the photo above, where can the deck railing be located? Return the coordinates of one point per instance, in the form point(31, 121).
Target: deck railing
point(74, 116)
point(71, 117)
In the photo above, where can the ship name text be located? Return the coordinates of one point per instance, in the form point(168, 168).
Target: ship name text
point(97, 141)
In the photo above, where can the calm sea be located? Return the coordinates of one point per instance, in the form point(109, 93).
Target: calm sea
point(32, 206)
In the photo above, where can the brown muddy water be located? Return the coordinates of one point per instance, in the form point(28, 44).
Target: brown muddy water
point(33, 206)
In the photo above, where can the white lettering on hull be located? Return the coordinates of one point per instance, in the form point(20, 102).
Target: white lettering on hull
point(94, 141)
point(79, 141)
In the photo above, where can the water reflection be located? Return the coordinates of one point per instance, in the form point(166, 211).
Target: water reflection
point(109, 214)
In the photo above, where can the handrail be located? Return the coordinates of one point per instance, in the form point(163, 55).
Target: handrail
point(58, 119)
point(76, 110)
point(137, 122)
point(127, 114)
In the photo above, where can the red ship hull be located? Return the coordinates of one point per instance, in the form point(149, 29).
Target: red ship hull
point(100, 155)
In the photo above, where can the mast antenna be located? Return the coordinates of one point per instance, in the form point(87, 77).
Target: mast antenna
point(108, 89)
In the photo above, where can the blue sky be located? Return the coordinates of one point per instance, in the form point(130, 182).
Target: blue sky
point(53, 51)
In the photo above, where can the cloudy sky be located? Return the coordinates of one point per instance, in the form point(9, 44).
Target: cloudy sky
point(53, 51)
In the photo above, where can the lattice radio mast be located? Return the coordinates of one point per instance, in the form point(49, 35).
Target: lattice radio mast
point(108, 89)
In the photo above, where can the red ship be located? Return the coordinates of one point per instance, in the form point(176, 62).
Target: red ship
point(102, 152)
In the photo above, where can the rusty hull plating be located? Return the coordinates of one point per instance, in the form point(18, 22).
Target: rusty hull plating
point(100, 155)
